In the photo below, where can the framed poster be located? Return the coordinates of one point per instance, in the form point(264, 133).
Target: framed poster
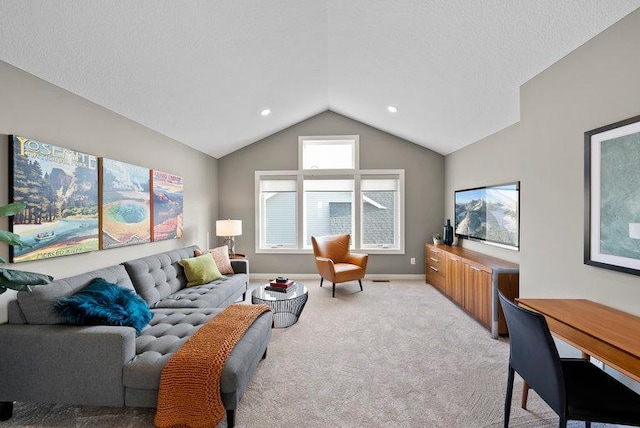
point(60, 189)
point(125, 216)
point(612, 196)
point(166, 206)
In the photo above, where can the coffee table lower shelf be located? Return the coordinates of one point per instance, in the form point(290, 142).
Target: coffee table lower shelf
point(286, 306)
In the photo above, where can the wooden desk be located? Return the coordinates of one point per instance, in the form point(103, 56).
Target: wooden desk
point(610, 335)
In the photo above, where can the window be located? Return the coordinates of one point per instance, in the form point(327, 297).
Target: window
point(328, 153)
point(380, 223)
point(328, 207)
point(328, 194)
point(278, 202)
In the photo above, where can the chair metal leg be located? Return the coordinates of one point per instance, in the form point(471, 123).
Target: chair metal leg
point(334, 289)
point(507, 398)
point(321, 279)
point(360, 282)
point(6, 410)
point(563, 422)
point(525, 395)
point(587, 424)
point(231, 418)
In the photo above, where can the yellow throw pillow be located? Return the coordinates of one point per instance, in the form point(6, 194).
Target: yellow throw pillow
point(200, 270)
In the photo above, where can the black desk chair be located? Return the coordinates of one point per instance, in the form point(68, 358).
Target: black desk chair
point(574, 388)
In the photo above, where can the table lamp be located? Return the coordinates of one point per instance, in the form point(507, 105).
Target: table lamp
point(229, 229)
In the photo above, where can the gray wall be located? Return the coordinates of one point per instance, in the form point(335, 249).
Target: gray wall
point(595, 85)
point(34, 108)
point(424, 171)
point(494, 160)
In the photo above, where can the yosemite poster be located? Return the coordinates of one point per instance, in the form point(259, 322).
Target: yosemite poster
point(60, 189)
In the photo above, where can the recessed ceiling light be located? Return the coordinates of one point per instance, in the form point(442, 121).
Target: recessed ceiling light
point(265, 112)
point(392, 109)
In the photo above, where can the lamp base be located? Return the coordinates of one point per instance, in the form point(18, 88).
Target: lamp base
point(229, 241)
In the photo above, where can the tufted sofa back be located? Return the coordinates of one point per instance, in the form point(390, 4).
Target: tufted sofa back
point(36, 306)
point(156, 277)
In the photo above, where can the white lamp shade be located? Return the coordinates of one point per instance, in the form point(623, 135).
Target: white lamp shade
point(228, 227)
point(634, 230)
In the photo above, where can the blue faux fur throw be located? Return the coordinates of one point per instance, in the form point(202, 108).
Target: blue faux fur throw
point(104, 303)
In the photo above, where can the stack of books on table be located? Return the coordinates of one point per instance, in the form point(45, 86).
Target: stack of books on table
point(280, 286)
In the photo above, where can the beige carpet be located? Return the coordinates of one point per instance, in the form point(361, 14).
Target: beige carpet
point(398, 354)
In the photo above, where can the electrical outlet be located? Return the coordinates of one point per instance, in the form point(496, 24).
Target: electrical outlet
point(413, 260)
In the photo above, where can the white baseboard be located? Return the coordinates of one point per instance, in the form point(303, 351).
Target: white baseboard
point(258, 277)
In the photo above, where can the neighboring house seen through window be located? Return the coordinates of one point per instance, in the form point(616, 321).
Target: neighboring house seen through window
point(329, 195)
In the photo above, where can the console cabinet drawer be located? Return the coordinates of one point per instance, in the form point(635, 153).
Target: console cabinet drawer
point(435, 267)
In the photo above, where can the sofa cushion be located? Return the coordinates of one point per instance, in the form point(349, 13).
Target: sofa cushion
point(170, 328)
point(200, 270)
point(217, 294)
point(37, 305)
point(156, 277)
point(104, 303)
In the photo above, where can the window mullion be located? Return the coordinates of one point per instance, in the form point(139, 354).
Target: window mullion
point(357, 212)
point(300, 211)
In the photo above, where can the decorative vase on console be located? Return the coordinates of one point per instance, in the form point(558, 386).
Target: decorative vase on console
point(447, 233)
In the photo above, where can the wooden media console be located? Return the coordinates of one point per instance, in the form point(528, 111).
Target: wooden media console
point(472, 280)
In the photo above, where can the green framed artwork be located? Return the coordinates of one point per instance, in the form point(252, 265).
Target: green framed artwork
point(167, 203)
point(125, 215)
point(612, 196)
point(60, 189)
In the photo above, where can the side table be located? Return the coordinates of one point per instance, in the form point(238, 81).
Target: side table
point(286, 306)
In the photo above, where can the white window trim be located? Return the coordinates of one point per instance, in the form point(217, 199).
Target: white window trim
point(401, 215)
point(357, 174)
point(259, 227)
point(356, 153)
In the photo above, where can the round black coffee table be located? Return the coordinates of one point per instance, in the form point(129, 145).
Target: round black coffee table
point(286, 306)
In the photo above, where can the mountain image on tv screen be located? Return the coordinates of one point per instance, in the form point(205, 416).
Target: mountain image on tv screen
point(488, 213)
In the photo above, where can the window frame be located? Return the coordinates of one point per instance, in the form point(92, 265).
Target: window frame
point(355, 139)
point(260, 235)
point(400, 220)
point(356, 235)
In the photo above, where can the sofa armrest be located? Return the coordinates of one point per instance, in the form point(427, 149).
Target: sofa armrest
point(240, 266)
point(64, 364)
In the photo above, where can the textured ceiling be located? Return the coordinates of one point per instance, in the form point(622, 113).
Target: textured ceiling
point(201, 71)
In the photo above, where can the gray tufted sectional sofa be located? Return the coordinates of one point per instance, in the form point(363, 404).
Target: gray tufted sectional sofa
point(43, 360)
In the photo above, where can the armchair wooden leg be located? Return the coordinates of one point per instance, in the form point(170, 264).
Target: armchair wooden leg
point(6, 410)
point(525, 395)
point(231, 418)
point(334, 289)
point(321, 279)
point(360, 282)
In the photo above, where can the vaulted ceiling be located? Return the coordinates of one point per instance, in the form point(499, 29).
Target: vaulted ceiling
point(201, 71)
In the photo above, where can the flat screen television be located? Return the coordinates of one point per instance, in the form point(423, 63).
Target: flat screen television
point(490, 214)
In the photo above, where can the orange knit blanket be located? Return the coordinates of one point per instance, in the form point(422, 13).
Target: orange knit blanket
point(189, 394)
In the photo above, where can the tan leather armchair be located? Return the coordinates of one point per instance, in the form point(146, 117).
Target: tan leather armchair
point(334, 261)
